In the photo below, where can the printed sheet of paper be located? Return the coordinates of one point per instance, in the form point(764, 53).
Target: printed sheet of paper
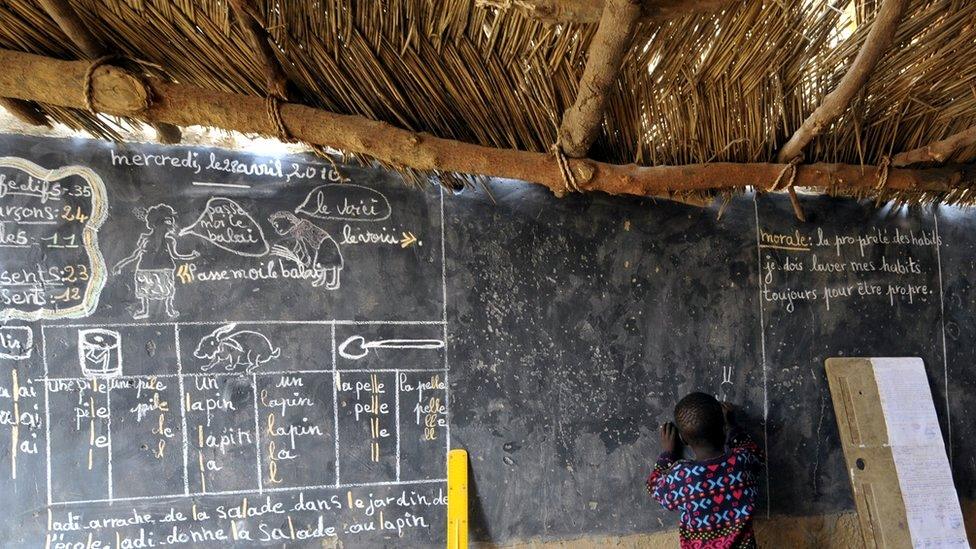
point(931, 503)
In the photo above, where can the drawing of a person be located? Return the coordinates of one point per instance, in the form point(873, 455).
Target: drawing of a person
point(311, 247)
point(155, 256)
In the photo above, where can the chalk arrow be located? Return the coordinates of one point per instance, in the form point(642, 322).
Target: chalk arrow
point(408, 239)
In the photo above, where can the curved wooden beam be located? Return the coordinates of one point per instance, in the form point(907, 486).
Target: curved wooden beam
point(582, 120)
point(836, 102)
point(937, 151)
point(33, 77)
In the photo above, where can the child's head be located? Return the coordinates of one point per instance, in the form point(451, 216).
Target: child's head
point(283, 222)
point(160, 216)
point(700, 420)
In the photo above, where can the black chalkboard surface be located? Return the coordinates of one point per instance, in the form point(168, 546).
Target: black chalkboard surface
point(202, 346)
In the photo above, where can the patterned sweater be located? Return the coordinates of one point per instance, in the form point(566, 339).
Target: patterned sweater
point(716, 498)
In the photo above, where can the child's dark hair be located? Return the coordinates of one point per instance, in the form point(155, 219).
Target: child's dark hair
point(700, 420)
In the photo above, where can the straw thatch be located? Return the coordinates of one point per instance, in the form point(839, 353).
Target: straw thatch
point(728, 86)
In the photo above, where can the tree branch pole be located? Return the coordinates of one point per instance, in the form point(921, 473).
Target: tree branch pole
point(590, 11)
point(33, 77)
point(937, 151)
point(276, 81)
point(581, 121)
point(834, 104)
point(81, 36)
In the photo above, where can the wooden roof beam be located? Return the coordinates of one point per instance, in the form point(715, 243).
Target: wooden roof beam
point(276, 81)
point(834, 104)
point(582, 120)
point(937, 151)
point(81, 36)
point(37, 78)
point(590, 11)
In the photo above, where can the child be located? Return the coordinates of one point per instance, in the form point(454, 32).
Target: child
point(715, 493)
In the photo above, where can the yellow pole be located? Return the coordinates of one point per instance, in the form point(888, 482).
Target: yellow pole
point(457, 499)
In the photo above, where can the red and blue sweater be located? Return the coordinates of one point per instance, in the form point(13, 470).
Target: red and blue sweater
point(716, 498)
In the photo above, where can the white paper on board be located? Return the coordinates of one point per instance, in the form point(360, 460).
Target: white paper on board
point(924, 474)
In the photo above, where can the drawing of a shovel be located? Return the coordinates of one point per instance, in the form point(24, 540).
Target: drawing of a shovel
point(357, 347)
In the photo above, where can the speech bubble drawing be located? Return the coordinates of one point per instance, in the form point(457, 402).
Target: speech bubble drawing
point(227, 225)
point(345, 202)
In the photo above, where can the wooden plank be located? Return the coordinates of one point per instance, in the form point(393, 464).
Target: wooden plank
point(870, 463)
point(457, 499)
point(896, 458)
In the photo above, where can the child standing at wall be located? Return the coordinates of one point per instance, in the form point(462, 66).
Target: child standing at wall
point(716, 493)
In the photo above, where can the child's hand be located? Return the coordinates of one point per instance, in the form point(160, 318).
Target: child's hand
point(728, 411)
point(669, 437)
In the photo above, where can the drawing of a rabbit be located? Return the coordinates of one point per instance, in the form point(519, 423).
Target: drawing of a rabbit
point(230, 349)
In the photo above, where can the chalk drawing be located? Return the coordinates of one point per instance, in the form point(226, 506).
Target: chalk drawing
point(16, 342)
point(345, 202)
point(229, 349)
point(726, 387)
point(100, 353)
point(310, 247)
point(155, 256)
point(227, 225)
point(357, 347)
point(88, 298)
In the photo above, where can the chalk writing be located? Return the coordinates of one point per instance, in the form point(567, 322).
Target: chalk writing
point(826, 267)
point(16, 342)
point(49, 221)
point(345, 202)
point(227, 225)
point(196, 163)
point(285, 519)
point(203, 430)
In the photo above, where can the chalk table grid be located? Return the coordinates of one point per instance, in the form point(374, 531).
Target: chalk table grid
point(379, 458)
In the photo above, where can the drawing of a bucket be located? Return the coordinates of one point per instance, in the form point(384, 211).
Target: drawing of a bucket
point(100, 353)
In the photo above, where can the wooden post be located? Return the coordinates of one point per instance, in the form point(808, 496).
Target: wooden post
point(75, 29)
point(581, 121)
point(836, 102)
point(276, 82)
point(72, 26)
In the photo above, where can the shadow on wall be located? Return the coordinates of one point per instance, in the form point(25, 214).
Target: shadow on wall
point(477, 520)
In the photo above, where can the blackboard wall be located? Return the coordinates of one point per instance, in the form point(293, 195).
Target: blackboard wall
point(547, 337)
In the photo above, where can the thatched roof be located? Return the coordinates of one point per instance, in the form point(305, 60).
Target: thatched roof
point(730, 85)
